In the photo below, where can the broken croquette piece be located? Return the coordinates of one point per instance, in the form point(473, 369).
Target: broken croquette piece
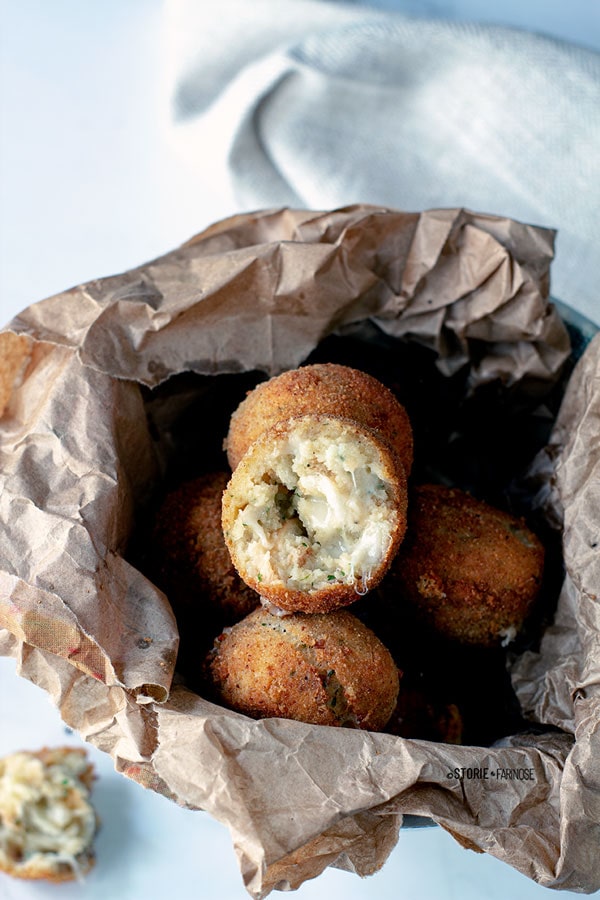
point(326, 669)
point(468, 571)
point(321, 389)
point(315, 512)
point(47, 823)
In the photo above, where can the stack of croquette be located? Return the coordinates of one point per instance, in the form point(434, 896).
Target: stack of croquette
point(316, 514)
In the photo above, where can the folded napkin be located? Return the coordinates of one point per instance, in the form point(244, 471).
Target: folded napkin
point(319, 105)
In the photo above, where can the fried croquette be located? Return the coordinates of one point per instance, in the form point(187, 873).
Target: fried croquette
point(15, 353)
point(467, 570)
point(323, 669)
point(315, 512)
point(47, 823)
point(324, 389)
point(191, 560)
point(428, 718)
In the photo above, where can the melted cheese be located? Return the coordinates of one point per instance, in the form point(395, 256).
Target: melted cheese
point(324, 515)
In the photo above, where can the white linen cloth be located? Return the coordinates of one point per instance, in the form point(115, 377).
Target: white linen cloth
point(319, 105)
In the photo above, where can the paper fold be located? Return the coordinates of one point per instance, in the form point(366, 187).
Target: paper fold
point(81, 462)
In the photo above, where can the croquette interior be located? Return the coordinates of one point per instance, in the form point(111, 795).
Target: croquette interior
point(317, 510)
point(47, 823)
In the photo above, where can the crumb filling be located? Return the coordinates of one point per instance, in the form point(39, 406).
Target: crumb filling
point(45, 815)
point(321, 513)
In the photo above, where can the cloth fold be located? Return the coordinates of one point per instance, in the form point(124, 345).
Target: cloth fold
point(321, 105)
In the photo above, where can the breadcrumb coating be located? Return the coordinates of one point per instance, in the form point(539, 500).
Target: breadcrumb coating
point(192, 562)
point(323, 389)
point(15, 352)
point(467, 570)
point(323, 669)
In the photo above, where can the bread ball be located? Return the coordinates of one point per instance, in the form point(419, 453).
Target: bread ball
point(467, 570)
point(315, 512)
point(15, 354)
point(323, 669)
point(324, 389)
point(190, 558)
point(47, 823)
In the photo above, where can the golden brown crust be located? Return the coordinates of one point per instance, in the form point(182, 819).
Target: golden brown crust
point(192, 562)
point(15, 350)
point(469, 571)
point(321, 389)
point(322, 669)
point(56, 871)
point(85, 864)
point(257, 465)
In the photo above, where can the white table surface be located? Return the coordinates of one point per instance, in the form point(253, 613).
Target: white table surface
point(88, 187)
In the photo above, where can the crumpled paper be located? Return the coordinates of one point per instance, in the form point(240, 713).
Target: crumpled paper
point(79, 461)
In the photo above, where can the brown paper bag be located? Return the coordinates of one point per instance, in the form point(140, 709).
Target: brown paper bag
point(84, 444)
